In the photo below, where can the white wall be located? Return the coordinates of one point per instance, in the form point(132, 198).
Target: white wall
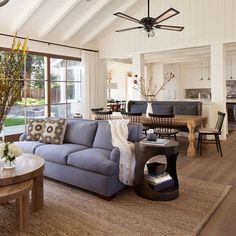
point(205, 22)
point(119, 76)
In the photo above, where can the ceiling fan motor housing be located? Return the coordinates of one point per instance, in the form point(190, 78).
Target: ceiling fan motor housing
point(148, 23)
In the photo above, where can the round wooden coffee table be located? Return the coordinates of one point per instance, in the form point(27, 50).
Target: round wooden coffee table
point(28, 166)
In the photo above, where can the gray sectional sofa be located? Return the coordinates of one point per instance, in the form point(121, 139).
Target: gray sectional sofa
point(87, 158)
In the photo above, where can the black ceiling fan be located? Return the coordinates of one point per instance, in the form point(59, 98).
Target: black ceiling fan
point(3, 2)
point(149, 24)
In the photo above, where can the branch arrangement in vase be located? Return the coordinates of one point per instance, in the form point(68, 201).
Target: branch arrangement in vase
point(11, 76)
point(147, 92)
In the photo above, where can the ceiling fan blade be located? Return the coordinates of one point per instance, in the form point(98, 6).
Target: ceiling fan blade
point(122, 30)
point(169, 27)
point(124, 16)
point(166, 15)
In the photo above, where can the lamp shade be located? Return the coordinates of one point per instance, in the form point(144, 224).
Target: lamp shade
point(112, 85)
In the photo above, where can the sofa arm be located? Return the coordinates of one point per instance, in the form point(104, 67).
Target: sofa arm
point(115, 155)
point(23, 137)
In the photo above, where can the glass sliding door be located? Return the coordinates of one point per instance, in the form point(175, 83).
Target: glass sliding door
point(65, 87)
point(52, 87)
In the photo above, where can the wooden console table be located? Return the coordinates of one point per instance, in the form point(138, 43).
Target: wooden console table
point(144, 152)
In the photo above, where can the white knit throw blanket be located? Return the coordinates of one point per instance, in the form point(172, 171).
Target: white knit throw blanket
point(119, 134)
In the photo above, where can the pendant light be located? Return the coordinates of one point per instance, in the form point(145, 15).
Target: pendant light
point(208, 71)
point(231, 70)
point(201, 72)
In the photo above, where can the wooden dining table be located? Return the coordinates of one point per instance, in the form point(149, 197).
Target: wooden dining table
point(191, 122)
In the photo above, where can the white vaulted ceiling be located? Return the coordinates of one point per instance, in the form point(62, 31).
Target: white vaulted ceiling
point(71, 22)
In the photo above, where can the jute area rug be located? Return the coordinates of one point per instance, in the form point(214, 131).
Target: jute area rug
point(71, 211)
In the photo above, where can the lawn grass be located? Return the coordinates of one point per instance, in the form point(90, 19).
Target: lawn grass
point(31, 101)
point(10, 121)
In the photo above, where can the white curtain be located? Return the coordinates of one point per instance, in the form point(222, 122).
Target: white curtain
point(94, 82)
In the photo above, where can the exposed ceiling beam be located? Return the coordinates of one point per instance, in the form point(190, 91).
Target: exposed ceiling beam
point(25, 17)
point(82, 21)
point(99, 28)
point(57, 17)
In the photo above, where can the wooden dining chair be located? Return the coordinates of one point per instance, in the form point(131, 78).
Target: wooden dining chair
point(162, 125)
point(93, 110)
point(135, 118)
point(103, 115)
point(215, 132)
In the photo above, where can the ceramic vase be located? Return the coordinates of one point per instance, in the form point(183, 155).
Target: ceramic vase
point(149, 109)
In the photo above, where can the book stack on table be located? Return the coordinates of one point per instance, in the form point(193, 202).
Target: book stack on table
point(157, 177)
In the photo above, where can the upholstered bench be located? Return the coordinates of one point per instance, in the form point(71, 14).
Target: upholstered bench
point(168, 107)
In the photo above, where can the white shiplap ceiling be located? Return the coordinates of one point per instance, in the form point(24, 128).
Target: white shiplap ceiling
point(72, 22)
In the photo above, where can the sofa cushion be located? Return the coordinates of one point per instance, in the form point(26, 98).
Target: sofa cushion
point(184, 110)
point(29, 146)
point(35, 129)
point(162, 109)
point(95, 160)
point(54, 131)
point(103, 136)
point(80, 132)
point(58, 153)
point(138, 108)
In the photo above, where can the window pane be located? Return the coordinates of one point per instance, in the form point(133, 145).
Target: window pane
point(73, 70)
point(15, 121)
point(58, 92)
point(58, 110)
point(58, 69)
point(35, 93)
point(36, 111)
point(35, 67)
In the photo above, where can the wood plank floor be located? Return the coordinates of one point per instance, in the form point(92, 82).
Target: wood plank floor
point(213, 168)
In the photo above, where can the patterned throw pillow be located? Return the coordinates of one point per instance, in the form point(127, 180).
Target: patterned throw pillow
point(35, 129)
point(54, 131)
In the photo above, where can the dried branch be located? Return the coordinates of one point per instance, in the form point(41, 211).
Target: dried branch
point(148, 93)
point(11, 77)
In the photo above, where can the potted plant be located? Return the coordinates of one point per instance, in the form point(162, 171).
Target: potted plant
point(8, 152)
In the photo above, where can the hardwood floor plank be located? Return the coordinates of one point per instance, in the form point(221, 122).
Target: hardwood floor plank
point(213, 168)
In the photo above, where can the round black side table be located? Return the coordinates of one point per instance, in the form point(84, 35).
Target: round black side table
point(144, 152)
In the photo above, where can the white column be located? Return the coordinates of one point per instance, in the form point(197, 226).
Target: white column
point(138, 69)
point(158, 78)
point(218, 87)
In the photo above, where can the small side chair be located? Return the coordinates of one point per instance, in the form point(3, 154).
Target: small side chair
point(135, 118)
point(162, 125)
point(215, 132)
